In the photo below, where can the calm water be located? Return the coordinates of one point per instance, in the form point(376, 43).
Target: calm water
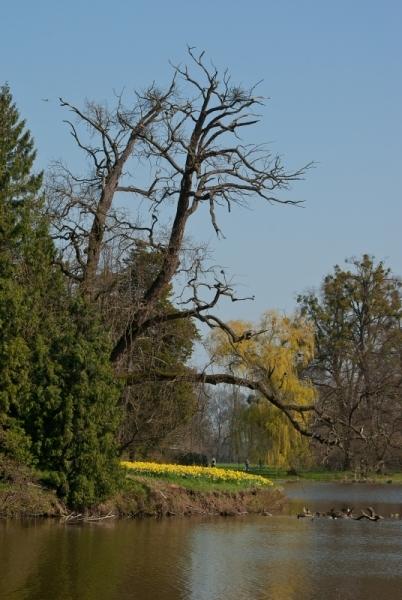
point(251, 558)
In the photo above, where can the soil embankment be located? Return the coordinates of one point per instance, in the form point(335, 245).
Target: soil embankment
point(159, 499)
point(150, 498)
point(29, 499)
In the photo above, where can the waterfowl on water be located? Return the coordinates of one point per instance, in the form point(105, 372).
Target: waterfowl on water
point(306, 513)
point(345, 513)
point(370, 515)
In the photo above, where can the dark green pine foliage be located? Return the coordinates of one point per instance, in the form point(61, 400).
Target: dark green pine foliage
point(18, 190)
point(58, 398)
point(73, 413)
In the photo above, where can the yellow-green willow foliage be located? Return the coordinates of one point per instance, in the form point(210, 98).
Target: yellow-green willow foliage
point(276, 442)
point(275, 358)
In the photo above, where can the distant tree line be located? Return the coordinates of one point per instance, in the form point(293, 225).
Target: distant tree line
point(354, 368)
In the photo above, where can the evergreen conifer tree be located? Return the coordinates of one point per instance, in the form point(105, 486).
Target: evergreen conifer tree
point(18, 188)
point(58, 398)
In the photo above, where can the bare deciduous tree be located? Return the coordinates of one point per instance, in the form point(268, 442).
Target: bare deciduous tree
point(188, 142)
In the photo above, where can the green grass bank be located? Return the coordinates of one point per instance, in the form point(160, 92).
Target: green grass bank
point(24, 495)
point(325, 475)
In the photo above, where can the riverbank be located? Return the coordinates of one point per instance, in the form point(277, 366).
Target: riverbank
point(155, 497)
point(28, 499)
point(144, 497)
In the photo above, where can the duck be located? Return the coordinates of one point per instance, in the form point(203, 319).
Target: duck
point(306, 513)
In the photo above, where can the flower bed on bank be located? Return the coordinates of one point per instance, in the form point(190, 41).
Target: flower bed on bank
point(213, 474)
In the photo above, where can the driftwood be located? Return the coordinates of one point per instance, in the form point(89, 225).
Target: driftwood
point(74, 518)
point(196, 510)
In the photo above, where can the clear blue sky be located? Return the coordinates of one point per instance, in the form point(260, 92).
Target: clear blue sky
point(334, 75)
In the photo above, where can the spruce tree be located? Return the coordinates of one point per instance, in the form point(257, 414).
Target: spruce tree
point(18, 189)
point(58, 398)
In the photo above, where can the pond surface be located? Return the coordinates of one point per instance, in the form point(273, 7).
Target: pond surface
point(250, 558)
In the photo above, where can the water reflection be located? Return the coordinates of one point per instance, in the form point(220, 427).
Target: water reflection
point(286, 559)
point(259, 558)
point(387, 499)
point(248, 560)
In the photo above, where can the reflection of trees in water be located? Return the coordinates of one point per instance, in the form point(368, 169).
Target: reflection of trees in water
point(114, 561)
point(242, 560)
point(20, 546)
point(62, 562)
point(259, 559)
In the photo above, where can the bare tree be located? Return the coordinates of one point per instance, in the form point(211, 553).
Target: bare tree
point(187, 141)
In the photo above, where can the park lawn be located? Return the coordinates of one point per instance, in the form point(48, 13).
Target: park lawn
point(195, 484)
point(324, 475)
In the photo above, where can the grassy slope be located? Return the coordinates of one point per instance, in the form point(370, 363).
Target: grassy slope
point(159, 496)
point(198, 484)
point(146, 496)
point(28, 499)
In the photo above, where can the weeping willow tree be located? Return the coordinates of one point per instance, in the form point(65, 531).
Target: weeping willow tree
point(276, 358)
point(271, 439)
